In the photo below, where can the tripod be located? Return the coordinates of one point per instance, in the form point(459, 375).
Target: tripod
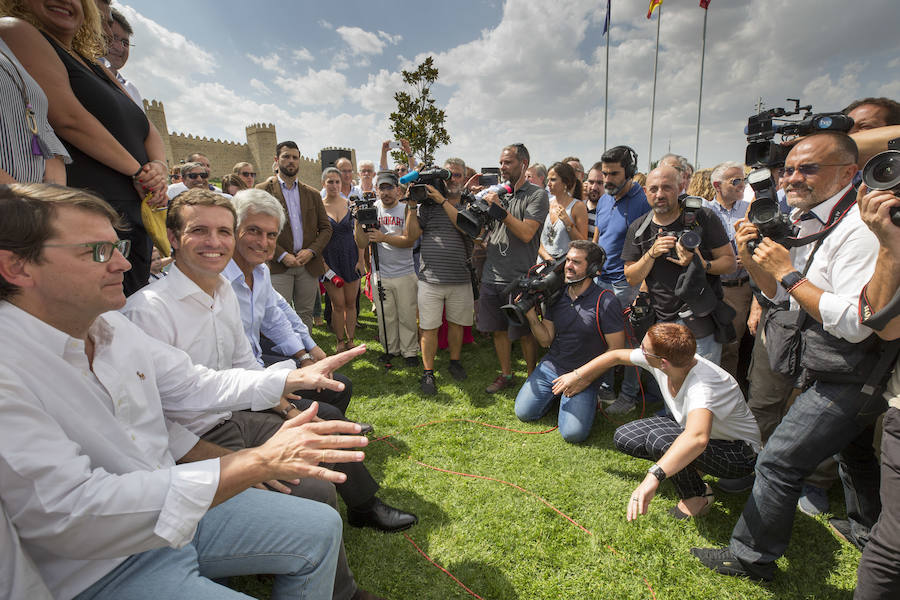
point(376, 271)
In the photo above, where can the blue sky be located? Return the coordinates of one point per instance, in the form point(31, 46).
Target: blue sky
point(517, 70)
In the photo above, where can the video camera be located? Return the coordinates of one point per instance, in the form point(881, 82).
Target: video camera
point(476, 215)
point(689, 235)
point(882, 172)
point(429, 175)
point(763, 155)
point(364, 211)
point(543, 284)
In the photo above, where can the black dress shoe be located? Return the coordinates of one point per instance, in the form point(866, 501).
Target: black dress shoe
point(381, 516)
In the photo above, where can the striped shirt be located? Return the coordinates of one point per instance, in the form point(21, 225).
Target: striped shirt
point(16, 157)
point(444, 248)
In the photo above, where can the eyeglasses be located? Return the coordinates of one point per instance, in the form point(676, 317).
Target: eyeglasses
point(806, 170)
point(118, 41)
point(737, 181)
point(645, 353)
point(103, 251)
point(196, 175)
point(386, 186)
point(248, 174)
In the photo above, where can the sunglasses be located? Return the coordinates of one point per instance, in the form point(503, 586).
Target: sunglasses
point(737, 181)
point(248, 174)
point(103, 251)
point(196, 175)
point(645, 353)
point(806, 170)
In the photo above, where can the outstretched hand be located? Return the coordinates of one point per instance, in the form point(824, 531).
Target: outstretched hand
point(318, 374)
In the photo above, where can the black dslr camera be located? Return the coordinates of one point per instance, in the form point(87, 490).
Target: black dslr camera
point(764, 211)
point(476, 215)
point(429, 175)
point(543, 284)
point(364, 211)
point(689, 235)
point(882, 172)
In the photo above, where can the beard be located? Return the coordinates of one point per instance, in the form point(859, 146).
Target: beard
point(804, 202)
point(289, 170)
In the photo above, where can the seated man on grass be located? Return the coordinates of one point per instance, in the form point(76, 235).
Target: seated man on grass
point(711, 430)
point(584, 321)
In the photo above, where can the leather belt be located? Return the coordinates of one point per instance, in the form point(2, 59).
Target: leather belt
point(736, 282)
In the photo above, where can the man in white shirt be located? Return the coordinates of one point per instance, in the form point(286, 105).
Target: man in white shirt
point(196, 310)
point(837, 354)
point(181, 186)
point(89, 478)
point(117, 51)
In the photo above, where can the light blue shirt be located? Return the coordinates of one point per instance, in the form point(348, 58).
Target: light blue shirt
point(261, 312)
point(729, 218)
point(295, 216)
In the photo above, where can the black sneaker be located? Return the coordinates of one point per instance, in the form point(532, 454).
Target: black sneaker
point(842, 529)
point(457, 371)
point(428, 386)
point(411, 361)
point(386, 358)
point(721, 560)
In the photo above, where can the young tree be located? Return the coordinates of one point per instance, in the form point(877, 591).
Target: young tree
point(417, 119)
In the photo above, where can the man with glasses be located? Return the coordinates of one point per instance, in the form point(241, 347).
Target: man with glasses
point(181, 186)
point(91, 473)
point(366, 176)
point(195, 176)
point(246, 172)
point(117, 50)
point(728, 180)
point(445, 279)
point(297, 264)
point(833, 415)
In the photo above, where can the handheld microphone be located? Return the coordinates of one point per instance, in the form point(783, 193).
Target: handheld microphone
point(500, 188)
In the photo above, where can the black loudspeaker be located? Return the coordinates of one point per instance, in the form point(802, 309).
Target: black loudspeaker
point(332, 155)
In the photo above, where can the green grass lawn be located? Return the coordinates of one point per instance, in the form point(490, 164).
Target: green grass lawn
point(504, 543)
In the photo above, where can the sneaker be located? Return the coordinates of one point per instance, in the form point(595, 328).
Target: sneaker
point(721, 560)
point(500, 383)
point(386, 358)
point(428, 386)
point(622, 405)
point(457, 371)
point(841, 528)
point(736, 485)
point(606, 394)
point(411, 361)
point(813, 500)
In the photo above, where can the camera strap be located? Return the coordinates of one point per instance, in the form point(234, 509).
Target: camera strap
point(597, 316)
point(839, 211)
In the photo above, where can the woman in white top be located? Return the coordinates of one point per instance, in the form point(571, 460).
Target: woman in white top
point(711, 429)
point(568, 218)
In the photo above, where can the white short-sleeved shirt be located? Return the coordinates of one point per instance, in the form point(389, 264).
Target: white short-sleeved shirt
point(708, 386)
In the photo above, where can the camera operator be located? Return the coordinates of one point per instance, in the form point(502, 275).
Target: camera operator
point(395, 269)
point(648, 254)
point(584, 321)
point(512, 246)
point(445, 277)
point(833, 414)
point(877, 576)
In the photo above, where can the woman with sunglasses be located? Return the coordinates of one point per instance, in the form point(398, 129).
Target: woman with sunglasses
point(115, 151)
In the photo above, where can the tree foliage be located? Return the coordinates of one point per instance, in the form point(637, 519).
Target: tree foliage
point(417, 119)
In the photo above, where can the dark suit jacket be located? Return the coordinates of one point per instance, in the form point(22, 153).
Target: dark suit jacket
point(316, 227)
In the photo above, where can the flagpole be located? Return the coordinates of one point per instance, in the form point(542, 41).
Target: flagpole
point(606, 87)
point(653, 98)
point(700, 96)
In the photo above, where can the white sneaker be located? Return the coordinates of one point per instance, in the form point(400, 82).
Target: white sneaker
point(606, 394)
point(622, 405)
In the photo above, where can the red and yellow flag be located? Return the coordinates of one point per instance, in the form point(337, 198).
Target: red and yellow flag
point(704, 4)
point(653, 5)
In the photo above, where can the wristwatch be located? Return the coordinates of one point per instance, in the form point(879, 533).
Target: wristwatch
point(657, 472)
point(791, 279)
point(303, 357)
point(284, 413)
point(708, 266)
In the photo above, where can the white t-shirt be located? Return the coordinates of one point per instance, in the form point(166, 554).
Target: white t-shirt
point(708, 386)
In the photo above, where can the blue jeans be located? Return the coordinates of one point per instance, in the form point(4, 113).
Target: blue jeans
point(254, 532)
point(576, 413)
point(821, 422)
point(625, 294)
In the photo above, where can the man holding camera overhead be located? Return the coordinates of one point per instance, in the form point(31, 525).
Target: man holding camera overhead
point(833, 357)
point(683, 283)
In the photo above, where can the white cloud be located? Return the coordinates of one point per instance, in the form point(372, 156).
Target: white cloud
point(302, 54)
point(315, 88)
point(361, 41)
point(390, 39)
point(259, 86)
point(377, 94)
point(270, 62)
point(325, 24)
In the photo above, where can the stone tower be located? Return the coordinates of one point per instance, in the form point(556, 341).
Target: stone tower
point(156, 114)
point(262, 140)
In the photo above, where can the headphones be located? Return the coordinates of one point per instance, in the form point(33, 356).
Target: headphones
point(629, 160)
point(594, 269)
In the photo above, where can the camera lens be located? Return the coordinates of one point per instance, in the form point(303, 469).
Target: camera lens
point(882, 172)
point(690, 240)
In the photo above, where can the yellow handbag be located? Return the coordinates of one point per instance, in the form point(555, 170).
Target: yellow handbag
point(155, 223)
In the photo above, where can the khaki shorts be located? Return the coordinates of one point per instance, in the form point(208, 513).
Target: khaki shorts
point(457, 298)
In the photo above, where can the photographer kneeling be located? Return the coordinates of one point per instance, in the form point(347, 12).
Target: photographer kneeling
point(710, 430)
point(584, 320)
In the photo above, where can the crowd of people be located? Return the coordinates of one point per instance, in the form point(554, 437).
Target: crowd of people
point(195, 390)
